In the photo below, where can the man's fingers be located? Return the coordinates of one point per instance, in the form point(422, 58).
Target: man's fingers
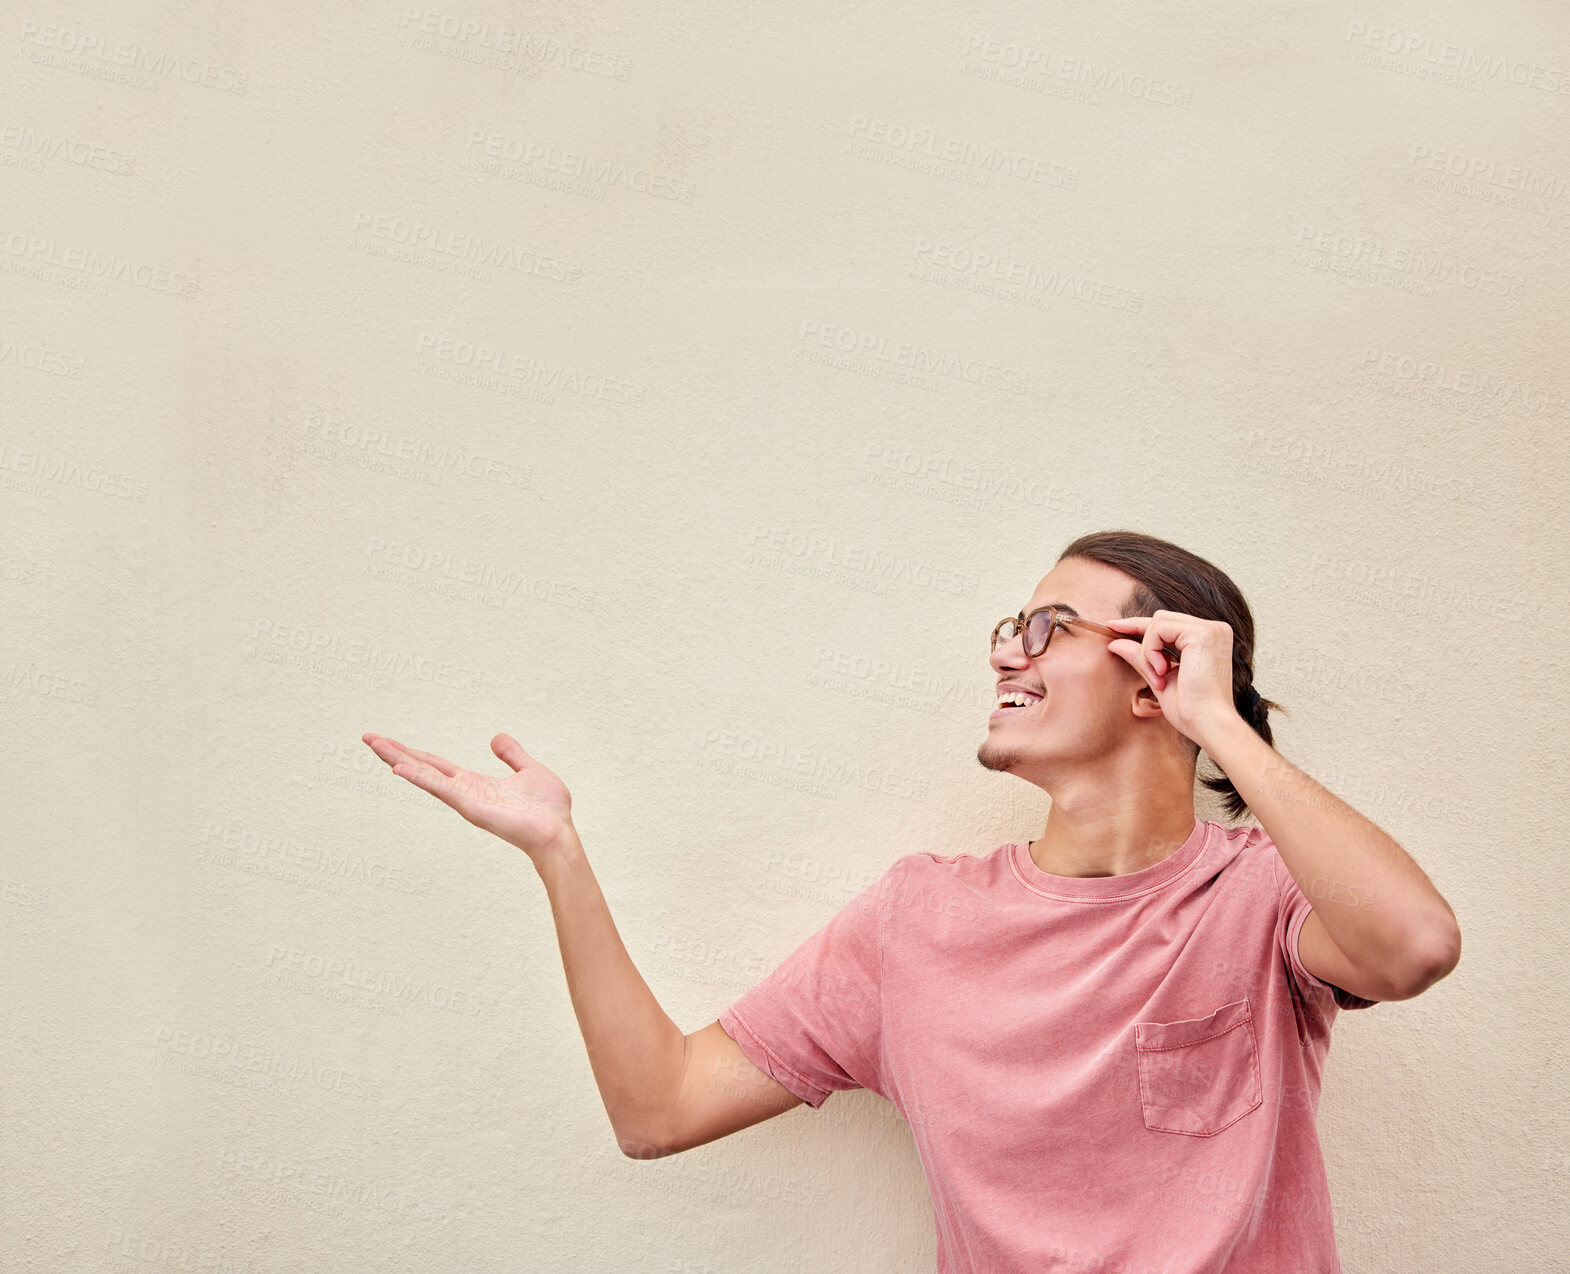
point(385, 748)
point(452, 788)
point(432, 760)
point(510, 751)
point(431, 779)
point(391, 751)
point(464, 790)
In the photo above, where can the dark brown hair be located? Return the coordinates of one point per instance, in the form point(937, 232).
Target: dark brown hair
point(1171, 578)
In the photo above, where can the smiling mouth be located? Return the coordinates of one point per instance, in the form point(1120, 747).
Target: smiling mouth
point(1016, 710)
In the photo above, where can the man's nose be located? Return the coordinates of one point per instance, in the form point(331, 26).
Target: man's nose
point(1009, 654)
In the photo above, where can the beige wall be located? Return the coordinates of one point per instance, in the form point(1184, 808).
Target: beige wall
point(1245, 278)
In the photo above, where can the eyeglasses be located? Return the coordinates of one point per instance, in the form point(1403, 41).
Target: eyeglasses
point(1039, 626)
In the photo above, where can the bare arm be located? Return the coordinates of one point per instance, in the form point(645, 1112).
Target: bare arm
point(636, 1052)
point(721, 1092)
point(1382, 931)
point(664, 1091)
point(1379, 928)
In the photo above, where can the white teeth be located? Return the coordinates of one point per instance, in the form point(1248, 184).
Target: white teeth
point(1016, 699)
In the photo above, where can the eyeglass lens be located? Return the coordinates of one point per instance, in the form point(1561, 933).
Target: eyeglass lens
point(1038, 632)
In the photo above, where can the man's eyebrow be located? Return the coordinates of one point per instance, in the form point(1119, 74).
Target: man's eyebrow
point(1062, 606)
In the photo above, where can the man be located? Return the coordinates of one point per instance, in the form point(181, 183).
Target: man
point(1108, 1041)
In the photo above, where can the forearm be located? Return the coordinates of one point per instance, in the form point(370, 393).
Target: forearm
point(635, 1050)
point(1375, 901)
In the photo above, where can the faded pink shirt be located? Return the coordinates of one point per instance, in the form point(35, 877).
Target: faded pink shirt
point(1105, 1075)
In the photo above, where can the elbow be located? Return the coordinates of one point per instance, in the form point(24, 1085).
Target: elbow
point(1447, 954)
point(1440, 953)
point(639, 1144)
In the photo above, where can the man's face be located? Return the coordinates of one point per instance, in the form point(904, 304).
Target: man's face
point(1086, 691)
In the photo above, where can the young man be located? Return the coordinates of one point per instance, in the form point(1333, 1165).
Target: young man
point(1108, 1041)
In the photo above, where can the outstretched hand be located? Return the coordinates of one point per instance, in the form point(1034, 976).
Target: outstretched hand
point(530, 808)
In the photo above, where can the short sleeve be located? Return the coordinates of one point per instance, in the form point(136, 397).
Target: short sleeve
point(1295, 909)
point(815, 1023)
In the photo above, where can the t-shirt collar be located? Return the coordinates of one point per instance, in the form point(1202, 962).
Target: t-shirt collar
point(1109, 888)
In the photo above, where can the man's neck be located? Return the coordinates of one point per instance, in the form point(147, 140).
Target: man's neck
point(1115, 845)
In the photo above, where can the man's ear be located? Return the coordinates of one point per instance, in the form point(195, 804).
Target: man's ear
point(1145, 702)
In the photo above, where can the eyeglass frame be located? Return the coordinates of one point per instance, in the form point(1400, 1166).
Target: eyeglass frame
point(1062, 620)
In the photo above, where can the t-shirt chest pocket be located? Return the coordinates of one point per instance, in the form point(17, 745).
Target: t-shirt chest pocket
point(1200, 1075)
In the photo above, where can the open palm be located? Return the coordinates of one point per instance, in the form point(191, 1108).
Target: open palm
point(529, 808)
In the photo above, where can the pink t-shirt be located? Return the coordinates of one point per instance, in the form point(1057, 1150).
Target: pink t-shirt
point(1104, 1075)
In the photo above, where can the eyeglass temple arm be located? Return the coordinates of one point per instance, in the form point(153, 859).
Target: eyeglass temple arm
point(1169, 651)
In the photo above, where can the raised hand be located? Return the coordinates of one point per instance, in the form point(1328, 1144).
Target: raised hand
point(1195, 693)
point(530, 808)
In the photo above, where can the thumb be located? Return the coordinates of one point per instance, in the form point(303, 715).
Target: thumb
point(1128, 650)
point(510, 751)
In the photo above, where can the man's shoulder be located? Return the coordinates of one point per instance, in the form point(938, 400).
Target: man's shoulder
point(930, 871)
point(952, 864)
point(926, 894)
point(1246, 851)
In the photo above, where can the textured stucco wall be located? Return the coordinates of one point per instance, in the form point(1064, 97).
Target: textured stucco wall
point(1285, 286)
